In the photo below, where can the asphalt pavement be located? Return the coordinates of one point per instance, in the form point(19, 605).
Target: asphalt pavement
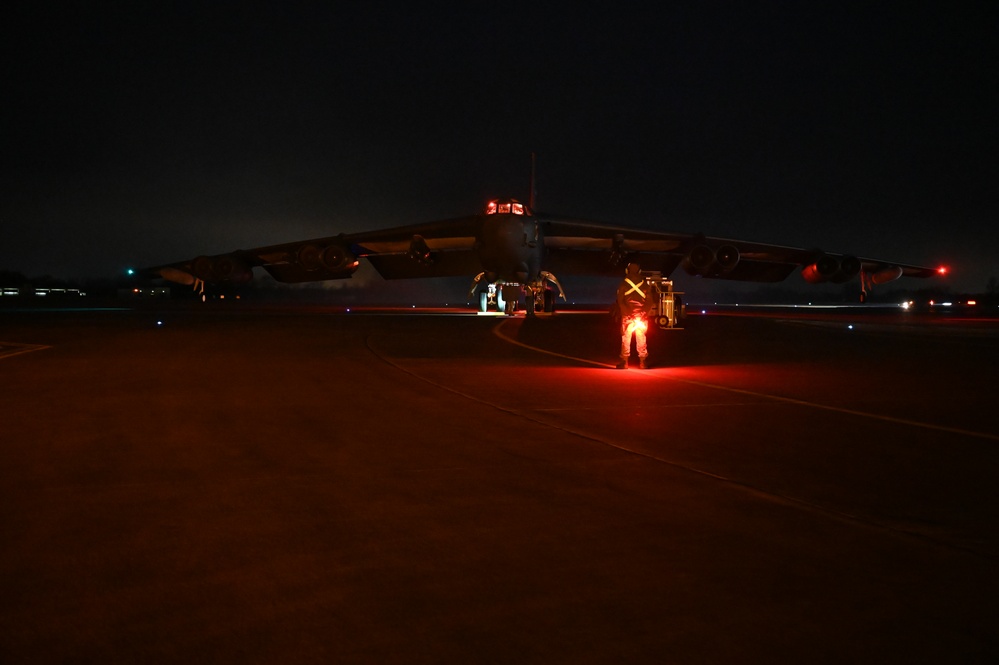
point(244, 484)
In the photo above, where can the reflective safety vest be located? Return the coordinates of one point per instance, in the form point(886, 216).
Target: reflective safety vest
point(635, 288)
point(633, 297)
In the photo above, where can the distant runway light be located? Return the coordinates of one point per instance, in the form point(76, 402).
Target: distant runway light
point(850, 327)
point(159, 323)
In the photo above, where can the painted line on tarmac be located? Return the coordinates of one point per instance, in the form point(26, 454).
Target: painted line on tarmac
point(851, 412)
point(10, 349)
point(741, 391)
point(498, 333)
point(745, 486)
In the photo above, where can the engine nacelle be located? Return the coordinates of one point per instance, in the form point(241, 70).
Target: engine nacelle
point(339, 259)
point(309, 257)
point(885, 275)
point(849, 266)
point(831, 269)
point(333, 257)
point(699, 260)
point(419, 251)
point(706, 261)
point(726, 258)
point(225, 268)
point(177, 276)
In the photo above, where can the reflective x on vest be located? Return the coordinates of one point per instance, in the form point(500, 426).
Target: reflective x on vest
point(634, 288)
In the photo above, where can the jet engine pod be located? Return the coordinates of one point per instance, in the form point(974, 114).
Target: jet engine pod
point(831, 269)
point(699, 260)
point(201, 268)
point(849, 266)
point(337, 258)
point(726, 258)
point(177, 276)
point(419, 251)
point(309, 257)
point(886, 275)
point(230, 269)
point(225, 268)
point(823, 270)
point(706, 261)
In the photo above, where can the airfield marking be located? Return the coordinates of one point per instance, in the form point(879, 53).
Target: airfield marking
point(743, 485)
point(753, 393)
point(839, 409)
point(19, 349)
point(496, 331)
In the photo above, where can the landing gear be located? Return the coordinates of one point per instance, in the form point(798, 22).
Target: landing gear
point(540, 296)
point(543, 300)
point(504, 297)
point(492, 296)
point(509, 295)
point(549, 301)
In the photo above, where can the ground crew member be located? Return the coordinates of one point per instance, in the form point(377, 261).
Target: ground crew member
point(635, 302)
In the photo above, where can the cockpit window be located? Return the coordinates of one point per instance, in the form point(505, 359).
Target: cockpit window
point(506, 208)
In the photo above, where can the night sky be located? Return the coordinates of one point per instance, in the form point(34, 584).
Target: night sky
point(137, 133)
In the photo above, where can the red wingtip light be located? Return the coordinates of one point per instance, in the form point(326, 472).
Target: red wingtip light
point(942, 270)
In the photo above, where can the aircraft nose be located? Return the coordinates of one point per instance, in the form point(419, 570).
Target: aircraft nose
point(504, 229)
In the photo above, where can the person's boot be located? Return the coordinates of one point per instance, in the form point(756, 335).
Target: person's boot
point(622, 363)
point(642, 364)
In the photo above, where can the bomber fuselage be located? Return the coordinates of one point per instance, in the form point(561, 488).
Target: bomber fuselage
point(510, 245)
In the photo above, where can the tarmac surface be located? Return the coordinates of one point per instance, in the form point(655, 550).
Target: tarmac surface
point(240, 484)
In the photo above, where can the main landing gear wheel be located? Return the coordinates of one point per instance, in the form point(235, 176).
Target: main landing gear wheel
point(484, 300)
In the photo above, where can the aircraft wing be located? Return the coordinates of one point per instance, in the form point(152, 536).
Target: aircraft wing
point(586, 247)
point(447, 248)
point(442, 248)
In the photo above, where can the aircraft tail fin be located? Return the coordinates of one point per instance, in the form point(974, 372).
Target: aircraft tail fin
point(532, 195)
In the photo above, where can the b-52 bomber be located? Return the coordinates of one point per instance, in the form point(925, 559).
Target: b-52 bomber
point(509, 246)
